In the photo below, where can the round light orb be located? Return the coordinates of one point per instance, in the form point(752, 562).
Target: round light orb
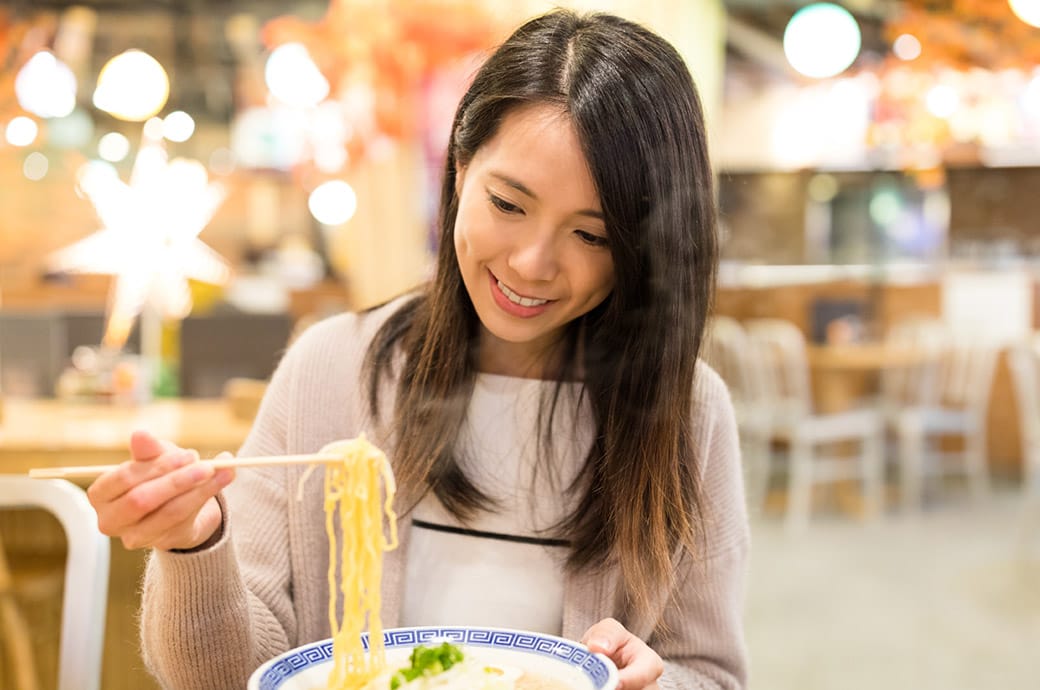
point(906, 47)
point(821, 40)
point(45, 86)
point(132, 86)
point(942, 100)
point(1027, 10)
point(22, 131)
point(293, 78)
point(35, 166)
point(113, 147)
point(178, 126)
point(333, 202)
point(153, 129)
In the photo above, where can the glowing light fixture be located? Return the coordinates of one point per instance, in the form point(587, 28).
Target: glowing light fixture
point(149, 239)
point(821, 40)
point(132, 86)
point(942, 100)
point(1026, 10)
point(35, 166)
point(178, 126)
point(113, 147)
point(906, 47)
point(45, 86)
point(22, 131)
point(293, 78)
point(333, 202)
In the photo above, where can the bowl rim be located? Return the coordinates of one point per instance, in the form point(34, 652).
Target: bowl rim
point(598, 668)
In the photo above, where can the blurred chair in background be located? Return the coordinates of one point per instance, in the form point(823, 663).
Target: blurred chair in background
point(222, 346)
point(726, 351)
point(1024, 360)
point(85, 590)
point(818, 443)
point(941, 401)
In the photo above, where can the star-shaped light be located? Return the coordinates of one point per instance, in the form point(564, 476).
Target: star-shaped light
point(149, 240)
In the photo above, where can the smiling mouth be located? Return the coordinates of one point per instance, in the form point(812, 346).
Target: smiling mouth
point(518, 299)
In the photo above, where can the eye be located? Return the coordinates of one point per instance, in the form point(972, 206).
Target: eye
point(503, 205)
point(592, 239)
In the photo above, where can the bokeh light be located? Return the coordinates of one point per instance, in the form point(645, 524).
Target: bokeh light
point(293, 78)
point(906, 47)
point(113, 147)
point(45, 86)
point(1026, 10)
point(35, 166)
point(132, 86)
point(178, 126)
point(22, 131)
point(333, 202)
point(821, 40)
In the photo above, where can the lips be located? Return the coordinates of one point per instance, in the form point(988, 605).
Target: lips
point(513, 302)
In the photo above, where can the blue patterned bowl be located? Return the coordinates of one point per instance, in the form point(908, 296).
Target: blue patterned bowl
point(307, 667)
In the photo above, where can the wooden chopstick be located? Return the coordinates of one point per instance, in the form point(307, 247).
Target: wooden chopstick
point(95, 470)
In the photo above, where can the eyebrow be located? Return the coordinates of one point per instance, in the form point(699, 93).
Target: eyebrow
point(525, 190)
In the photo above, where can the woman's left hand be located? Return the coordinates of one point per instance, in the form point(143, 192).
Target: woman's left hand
point(639, 667)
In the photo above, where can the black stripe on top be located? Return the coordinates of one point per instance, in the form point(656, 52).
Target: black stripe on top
point(489, 535)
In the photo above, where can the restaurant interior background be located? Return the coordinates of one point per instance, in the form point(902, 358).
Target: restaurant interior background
point(184, 184)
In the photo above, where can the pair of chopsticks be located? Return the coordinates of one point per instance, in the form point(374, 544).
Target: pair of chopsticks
point(96, 470)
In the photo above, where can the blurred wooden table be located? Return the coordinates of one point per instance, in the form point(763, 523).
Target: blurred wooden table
point(49, 433)
point(844, 374)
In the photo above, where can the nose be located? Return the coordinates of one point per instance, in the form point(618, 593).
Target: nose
point(534, 258)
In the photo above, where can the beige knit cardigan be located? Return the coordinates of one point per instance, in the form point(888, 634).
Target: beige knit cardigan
point(210, 617)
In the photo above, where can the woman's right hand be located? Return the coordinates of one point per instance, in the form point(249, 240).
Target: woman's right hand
point(163, 497)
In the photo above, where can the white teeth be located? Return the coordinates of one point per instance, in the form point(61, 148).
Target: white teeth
point(517, 299)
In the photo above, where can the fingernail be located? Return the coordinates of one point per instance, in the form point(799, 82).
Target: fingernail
point(600, 643)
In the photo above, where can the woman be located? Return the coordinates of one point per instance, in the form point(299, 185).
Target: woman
point(563, 462)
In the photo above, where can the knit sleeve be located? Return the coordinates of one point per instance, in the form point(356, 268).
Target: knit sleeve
point(209, 618)
point(701, 637)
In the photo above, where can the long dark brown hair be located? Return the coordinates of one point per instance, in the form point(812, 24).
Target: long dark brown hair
point(630, 97)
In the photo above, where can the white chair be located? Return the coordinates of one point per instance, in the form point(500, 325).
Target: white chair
point(954, 403)
point(726, 351)
point(85, 593)
point(1024, 361)
point(779, 348)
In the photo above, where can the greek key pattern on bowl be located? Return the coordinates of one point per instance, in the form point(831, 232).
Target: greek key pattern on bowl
point(530, 643)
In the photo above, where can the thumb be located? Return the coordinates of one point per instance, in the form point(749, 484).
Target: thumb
point(144, 446)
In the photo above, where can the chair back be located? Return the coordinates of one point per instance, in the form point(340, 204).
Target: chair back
point(916, 384)
point(967, 376)
point(778, 347)
point(726, 350)
point(85, 594)
point(1024, 361)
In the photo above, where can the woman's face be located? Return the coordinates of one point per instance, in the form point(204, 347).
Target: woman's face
point(530, 239)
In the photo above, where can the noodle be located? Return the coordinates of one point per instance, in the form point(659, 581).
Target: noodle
point(353, 505)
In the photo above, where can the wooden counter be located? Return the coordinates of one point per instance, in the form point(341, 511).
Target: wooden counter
point(48, 433)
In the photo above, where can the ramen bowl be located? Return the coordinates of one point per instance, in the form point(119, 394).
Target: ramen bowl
point(562, 663)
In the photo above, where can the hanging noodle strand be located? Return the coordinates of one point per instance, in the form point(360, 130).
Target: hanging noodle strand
point(359, 492)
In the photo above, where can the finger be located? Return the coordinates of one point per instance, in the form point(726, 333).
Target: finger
point(639, 667)
point(172, 525)
point(145, 446)
point(144, 498)
point(605, 636)
point(112, 485)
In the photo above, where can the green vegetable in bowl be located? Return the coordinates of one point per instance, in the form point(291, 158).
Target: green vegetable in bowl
point(427, 661)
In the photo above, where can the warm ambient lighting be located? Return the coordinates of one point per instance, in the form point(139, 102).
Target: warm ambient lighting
point(906, 47)
point(149, 240)
point(821, 40)
point(178, 126)
point(1026, 10)
point(113, 147)
point(132, 86)
point(22, 131)
point(45, 86)
point(293, 78)
point(333, 202)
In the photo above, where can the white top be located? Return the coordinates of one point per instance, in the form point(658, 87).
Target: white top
point(502, 569)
